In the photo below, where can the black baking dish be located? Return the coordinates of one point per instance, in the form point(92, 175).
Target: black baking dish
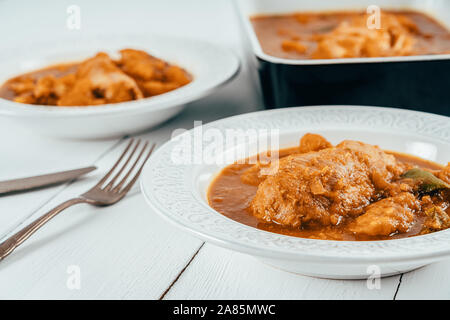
point(413, 82)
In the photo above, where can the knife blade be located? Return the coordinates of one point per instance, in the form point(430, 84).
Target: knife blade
point(23, 184)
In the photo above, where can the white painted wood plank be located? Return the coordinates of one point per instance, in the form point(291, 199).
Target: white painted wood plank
point(24, 154)
point(217, 273)
point(429, 282)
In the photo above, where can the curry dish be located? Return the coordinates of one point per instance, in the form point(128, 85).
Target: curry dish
point(333, 35)
point(351, 191)
point(97, 80)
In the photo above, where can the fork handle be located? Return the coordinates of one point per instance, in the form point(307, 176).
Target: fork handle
point(8, 246)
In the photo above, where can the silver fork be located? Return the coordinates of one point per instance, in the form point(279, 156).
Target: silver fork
point(99, 195)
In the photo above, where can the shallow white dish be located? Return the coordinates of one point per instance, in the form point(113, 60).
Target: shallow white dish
point(177, 191)
point(209, 64)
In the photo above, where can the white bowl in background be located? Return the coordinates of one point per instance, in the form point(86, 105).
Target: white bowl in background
point(210, 65)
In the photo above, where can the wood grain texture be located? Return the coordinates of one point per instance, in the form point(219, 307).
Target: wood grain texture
point(217, 273)
point(126, 251)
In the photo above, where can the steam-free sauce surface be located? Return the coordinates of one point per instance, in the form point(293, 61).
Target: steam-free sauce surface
point(345, 34)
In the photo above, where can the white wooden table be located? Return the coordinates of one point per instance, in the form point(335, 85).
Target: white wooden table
point(126, 251)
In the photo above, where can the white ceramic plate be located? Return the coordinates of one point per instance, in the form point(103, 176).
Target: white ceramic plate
point(177, 191)
point(210, 66)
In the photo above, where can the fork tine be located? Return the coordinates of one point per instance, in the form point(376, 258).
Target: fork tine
point(102, 181)
point(124, 179)
point(136, 176)
point(113, 180)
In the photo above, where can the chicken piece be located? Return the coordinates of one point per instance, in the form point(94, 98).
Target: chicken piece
point(400, 186)
point(27, 98)
point(99, 81)
point(176, 75)
point(387, 216)
point(153, 88)
point(313, 142)
point(44, 91)
point(49, 89)
point(23, 89)
point(252, 175)
point(339, 46)
point(436, 217)
point(302, 18)
point(382, 167)
point(325, 186)
point(291, 34)
point(21, 85)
